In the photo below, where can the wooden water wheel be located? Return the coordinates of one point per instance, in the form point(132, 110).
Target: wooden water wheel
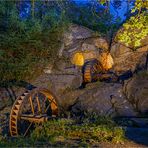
point(90, 70)
point(34, 106)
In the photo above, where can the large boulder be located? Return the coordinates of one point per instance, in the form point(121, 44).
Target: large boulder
point(125, 59)
point(91, 43)
point(9, 94)
point(105, 99)
point(79, 38)
point(76, 32)
point(136, 91)
point(59, 82)
point(95, 43)
point(6, 97)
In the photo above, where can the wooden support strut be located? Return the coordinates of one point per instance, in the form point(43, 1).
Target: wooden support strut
point(27, 110)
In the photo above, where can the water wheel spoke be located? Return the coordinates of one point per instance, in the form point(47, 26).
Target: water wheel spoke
point(91, 69)
point(38, 103)
point(36, 106)
point(31, 103)
point(94, 68)
point(34, 118)
point(27, 129)
point(52, 103)
point(47, 108)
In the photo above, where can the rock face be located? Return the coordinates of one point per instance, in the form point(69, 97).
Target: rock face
point(91, 43)
point(60, 83)
point(95, 43)
point(109, 99)
point(6, 97)
point(104, 99)
point(76, 32)
point(79, 38)
point(127, 60)
point(136, 91)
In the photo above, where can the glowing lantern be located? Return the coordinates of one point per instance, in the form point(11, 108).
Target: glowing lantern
point(106, 60)
point(78, 59)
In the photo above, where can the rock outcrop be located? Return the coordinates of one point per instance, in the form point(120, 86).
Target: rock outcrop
point(125, 59)
point(6, 97)
point(136, 91)
point(75, 33)
point(79, 38)
point(105, 99)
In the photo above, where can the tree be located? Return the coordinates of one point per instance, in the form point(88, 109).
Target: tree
point(135, 29)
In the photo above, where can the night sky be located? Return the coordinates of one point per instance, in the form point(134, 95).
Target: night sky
point(116, 12)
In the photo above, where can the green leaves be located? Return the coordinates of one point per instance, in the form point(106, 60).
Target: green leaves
point(27, 45)
point(1, 53)
point(102, 2)
point(133, 10)
point(67, 129)
point(134, 30)
point(139, 5)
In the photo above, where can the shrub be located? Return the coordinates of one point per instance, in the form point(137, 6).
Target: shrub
point(27, 45)
point(64, 130)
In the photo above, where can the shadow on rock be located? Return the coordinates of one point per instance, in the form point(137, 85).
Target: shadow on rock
point(137, 135)
point(9, 90)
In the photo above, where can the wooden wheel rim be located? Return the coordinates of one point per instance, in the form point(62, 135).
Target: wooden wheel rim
point(90, 71)
point(16, 116)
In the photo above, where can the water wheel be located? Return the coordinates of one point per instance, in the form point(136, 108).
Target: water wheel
point(90, 70)
point(35, 106)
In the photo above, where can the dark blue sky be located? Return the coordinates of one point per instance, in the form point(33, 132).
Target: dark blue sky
point(120, 11)
point(116, 12)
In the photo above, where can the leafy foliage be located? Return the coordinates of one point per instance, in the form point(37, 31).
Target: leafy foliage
point(136, 28)
point(91, 15)
point(84, 131)
point(27, 45)
point(30, 37)
point(59, 132)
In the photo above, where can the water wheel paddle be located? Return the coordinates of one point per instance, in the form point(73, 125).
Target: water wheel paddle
point(90, 71)
point(35, 106)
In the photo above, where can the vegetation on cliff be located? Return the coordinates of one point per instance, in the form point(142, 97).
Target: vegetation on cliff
point(136, 28)
point(33, 35)
point(27, 44)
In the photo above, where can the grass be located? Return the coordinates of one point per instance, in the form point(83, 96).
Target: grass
point(69, 132)
point(143, 74)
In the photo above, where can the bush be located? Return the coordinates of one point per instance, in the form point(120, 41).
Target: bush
point(57, 131)
point(69, 132)
point(27, 45)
